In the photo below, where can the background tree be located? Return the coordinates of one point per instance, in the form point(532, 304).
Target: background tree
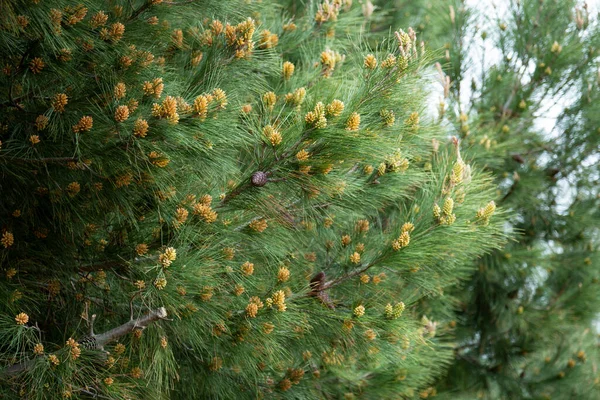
point(224, 199)
point(520, 86)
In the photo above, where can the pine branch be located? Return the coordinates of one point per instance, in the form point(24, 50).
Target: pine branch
point(349, 275)
point(140, 10)
point(238, 190)
point(510, 191)
point(317, 285)
point(290, 152)
point(98, 341)
point(42, 160)
point(147, 4)
point(122, 330)
point(113, 264)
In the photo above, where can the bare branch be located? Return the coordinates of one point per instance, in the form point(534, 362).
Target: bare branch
point(139, 323)
point(98, 341)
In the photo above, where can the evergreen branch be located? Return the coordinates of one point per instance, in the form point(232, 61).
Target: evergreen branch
point(16, 368)
point(349, 275)
point(317, 289)
point(98, 341)
point(140, 10)
point(510, 191)
point(237, 191)
point(11, 100)
point(101, 266)
point(285, 155)
point(132, 324)
point(93, 394)
point(178, 3)
point(147, 4)
point(113, 265)
point(362, 269)
point(43, 160)
point(29, 95)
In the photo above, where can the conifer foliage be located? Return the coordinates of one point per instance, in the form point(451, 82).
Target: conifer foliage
point(521, 89)
point(224, 199)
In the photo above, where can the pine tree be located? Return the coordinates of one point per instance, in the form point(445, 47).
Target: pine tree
point(520, 89)
point(225, 199)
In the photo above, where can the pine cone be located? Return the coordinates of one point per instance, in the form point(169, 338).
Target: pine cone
point(259, 179)
point(88, 342)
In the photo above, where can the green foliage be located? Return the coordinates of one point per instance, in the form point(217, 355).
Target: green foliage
point(521, 89)
point(184, 217)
